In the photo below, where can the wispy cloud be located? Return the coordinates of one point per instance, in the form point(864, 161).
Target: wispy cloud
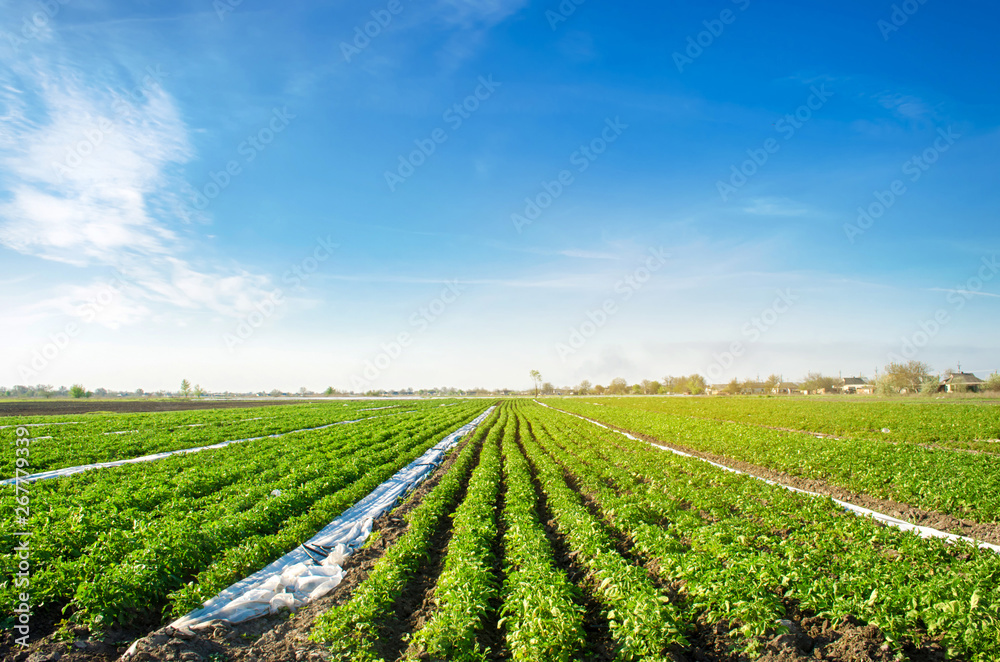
point(92, 179)
point(908, 108)
point(775, 207)
point(477, 13)
point(968, 293)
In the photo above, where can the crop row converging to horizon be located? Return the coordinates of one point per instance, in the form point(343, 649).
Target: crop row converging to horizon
point(544, 536)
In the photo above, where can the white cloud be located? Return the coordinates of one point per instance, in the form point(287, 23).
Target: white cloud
point(907, 107)
point(93, 175)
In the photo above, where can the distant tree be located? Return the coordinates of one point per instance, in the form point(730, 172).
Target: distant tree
point(139, 392)
point(671, 384)
point(548, 388)
point(636, 389)
point(992, 382)
point(771, 383)
point(599, 390)
point(815, 381)
point(884, 386)
point(303, 390)
point(618, 386)
point(275, 393)
point(329, 390)
point(650, 387)
point(101, 392)
point(536, 378)
point(583, 388)
point(77, 391)
point(909, 375)
point(199, 391)
point(734, 387)
point(696, 384)
point(930, 385)
point(185, 388)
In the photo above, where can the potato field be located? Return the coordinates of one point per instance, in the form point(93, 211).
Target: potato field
point(558, 529)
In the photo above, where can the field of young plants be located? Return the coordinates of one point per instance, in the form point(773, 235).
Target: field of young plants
point(542, 537)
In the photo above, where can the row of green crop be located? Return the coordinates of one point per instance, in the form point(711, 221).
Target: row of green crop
point(961, 424)
point(642, 620)
point(540, 613)
point(958, 483)
point(105, 438)
point(746, 552)
point(467, 585)
point(72, 511)
point(353, 627)
point(540, 617)
point(108, 556)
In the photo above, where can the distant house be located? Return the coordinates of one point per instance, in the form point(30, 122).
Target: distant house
point(856, 385)
point(961, 381)
point(787, 388)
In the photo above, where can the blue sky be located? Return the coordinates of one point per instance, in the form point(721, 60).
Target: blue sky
point(133, 258)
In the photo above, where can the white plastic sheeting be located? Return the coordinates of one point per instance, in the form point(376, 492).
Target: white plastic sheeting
point(69, 471)
point(313, 569)
point(922, 531)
